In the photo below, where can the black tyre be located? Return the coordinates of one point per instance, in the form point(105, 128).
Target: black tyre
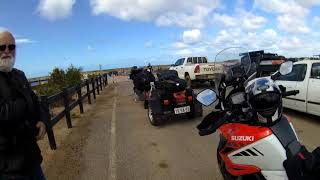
point(154, 119)
point(198, 108)
point(191, 114)
point(188, 79)
point(146, 104)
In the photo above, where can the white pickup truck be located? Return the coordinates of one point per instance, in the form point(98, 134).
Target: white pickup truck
point(305, 77)
point(195, 69)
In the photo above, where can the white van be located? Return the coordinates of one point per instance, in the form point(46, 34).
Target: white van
point(305, 77)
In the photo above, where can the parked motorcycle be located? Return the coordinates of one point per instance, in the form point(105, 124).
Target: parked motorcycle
point(142, 79)
point(255, 137)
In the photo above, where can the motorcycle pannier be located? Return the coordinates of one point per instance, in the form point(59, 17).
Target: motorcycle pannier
point(170, 82)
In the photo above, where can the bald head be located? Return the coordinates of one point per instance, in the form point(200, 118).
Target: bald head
point(6, 37)
point(7, 51)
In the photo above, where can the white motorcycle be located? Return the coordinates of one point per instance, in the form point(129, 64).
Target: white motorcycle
point(255, 138)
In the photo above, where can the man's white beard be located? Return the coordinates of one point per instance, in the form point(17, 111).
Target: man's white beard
point(7, 64)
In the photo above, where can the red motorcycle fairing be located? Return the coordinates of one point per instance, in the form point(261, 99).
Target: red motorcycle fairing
point(239, 135)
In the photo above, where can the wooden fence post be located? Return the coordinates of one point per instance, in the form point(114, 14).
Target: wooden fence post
point(88, 91)
point(80, 98)
point(93, 83)
point(97, 81)
point(67, 107)
point(46, 117)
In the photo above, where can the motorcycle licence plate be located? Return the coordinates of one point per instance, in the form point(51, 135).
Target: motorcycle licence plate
point(182, 110)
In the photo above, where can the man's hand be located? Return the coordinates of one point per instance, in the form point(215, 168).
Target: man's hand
point(42, 130)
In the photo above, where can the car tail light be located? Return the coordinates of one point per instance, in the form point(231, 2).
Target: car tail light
point(180, 97)
point(197, 69)
point(277, 62)
point(166, 102)
point(272, 62)
point(190, 98)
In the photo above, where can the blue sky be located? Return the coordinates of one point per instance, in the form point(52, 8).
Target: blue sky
point(123, 33)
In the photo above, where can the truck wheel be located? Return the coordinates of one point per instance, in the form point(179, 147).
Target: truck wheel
point(154, 119)
point(188, 79)
point(198, 109)
point(191, 114)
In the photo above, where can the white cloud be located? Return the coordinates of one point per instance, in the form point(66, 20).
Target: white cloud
point(183, 52)
point(252, 22)
point(148, 44)
point(179, 45)
point(25, 41)
point(292, 24)
point(308, 3)
point(269, 40)
point(292, 16)
point(290, 43)
point(190, 14)
point(191, 36)
point(315, 21)
point(90, 48)
point(225, 20)
point(55, 9)
point(245, 20)
point(194, 20)
point(281, 6)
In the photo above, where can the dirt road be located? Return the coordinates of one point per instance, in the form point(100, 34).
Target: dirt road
point(114, 140)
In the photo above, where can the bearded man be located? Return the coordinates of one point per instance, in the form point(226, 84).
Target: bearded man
point(20, 124)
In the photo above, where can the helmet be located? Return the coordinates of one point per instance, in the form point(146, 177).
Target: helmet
point(265, 100)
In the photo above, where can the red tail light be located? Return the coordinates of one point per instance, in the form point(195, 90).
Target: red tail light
point(197, 69)
point(277, 62)
point(190, 98)
point(180, 97)
point(166, 102)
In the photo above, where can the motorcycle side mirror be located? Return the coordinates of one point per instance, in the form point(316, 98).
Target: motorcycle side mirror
point(285, 69)
point(207, 97)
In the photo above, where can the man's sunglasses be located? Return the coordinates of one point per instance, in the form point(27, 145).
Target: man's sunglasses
point(11, 47)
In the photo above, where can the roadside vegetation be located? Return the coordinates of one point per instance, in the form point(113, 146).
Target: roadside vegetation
point(60, 79)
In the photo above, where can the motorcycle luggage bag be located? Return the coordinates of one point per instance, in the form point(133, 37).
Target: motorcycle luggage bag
point(167, 75)
point(170, 82)
point(134, 72)
point(142, 81)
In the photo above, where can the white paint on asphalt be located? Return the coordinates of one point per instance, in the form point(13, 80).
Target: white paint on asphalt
point(112, 152)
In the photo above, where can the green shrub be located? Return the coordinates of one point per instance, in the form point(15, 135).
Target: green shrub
point(58, 80)
point(73, 76)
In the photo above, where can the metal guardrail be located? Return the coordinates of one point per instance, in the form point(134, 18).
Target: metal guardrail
point(93, 86)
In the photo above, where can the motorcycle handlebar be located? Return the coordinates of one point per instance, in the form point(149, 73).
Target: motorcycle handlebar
point(290, 93)
point(216, 125)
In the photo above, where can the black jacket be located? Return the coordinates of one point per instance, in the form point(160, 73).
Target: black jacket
point(19, 113)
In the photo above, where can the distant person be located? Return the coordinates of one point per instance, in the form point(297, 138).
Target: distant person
point(113, 78)
point(20, 124)
point(149, 67)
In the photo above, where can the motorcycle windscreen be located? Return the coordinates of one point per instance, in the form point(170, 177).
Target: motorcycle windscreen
point(233, 62)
